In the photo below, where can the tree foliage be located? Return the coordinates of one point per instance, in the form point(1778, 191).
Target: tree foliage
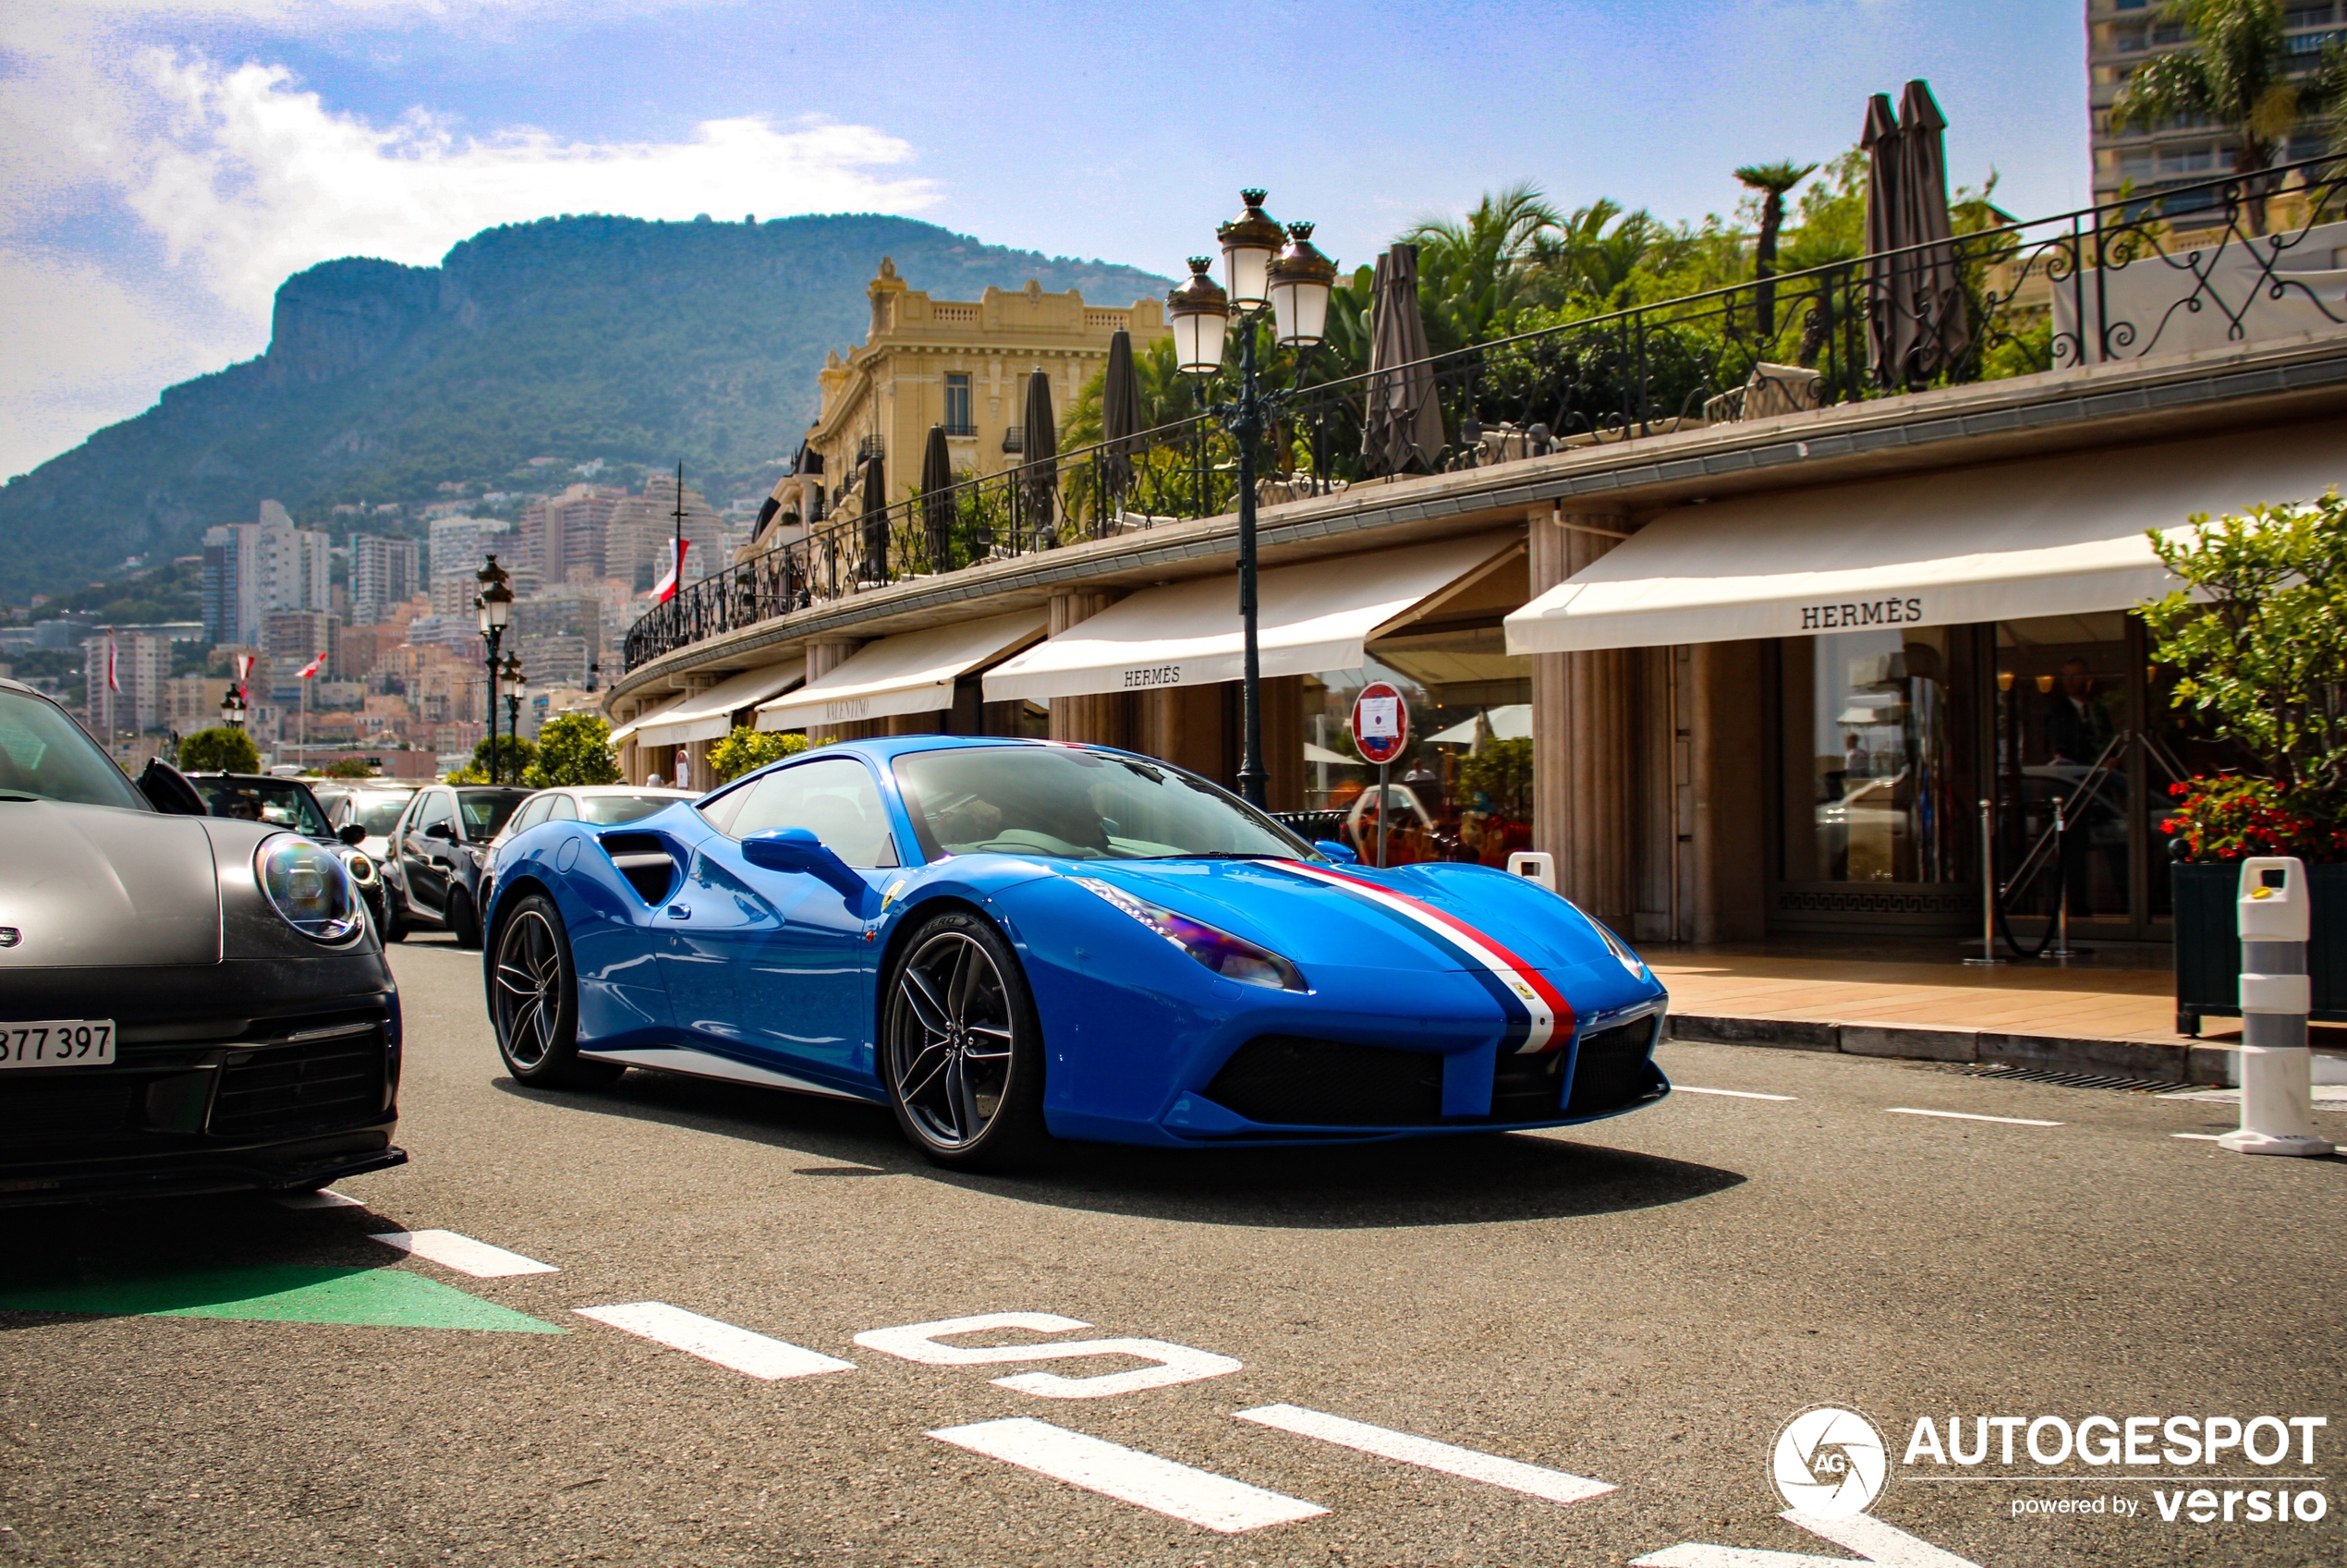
point(2259, 641)
point(515, 756)
point(746, 750)
point(349, 767)
point(573, 749)
point(225, 749)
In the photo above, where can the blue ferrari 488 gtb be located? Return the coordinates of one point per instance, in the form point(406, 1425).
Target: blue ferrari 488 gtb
point(1007, 941)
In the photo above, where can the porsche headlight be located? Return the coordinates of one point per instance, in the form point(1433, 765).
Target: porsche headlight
point(310, 887)
point(1233, 957)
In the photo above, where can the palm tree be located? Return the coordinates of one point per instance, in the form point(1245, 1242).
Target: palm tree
point(1772, 180)
point(2234, 70)
point(1472, 275)
point(1596, 250)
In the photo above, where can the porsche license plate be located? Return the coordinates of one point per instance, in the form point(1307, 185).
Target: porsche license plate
point(57, 1042)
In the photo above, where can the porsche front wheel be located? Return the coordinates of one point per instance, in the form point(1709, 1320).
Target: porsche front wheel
point(534, 1001)
point(961, 1050)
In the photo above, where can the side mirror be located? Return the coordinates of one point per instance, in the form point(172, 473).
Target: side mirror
point(1342, 854)
point(352, 833)
point(441, 830)
point(798, 849)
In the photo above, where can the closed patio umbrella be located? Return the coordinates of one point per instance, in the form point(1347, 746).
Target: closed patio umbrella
point(1404, 426)
point(1888, 300)
point(936, 499)
point(1944, 326)
point(874, 490)
point(1120, 413)
point(1039, 474)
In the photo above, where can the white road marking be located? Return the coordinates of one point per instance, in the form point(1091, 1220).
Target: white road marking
point(324, 1197)
point(2199, 1137)
point(1885, 1545)
point(1196, 1497)
point(1969, 1116)
point(1557, 1486)
point(1176, 1363)
point(1730, 1093)
point(465, 1254)
point(715, 1340)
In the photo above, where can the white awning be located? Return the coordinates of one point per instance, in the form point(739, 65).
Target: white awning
point(707, 715)
point(2048, 536)
point(628, 730)
point(910, 673)
point(1309, 618)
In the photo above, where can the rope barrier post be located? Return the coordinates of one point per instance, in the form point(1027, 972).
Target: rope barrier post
point(2277, 1070)
point(2062, 948)
point(1987, 887)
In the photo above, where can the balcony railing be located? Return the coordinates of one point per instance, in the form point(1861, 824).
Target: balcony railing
point(2105, 283)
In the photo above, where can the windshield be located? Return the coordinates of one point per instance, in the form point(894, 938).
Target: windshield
point(279, 801)
point(605, 809)
point(1083, 805)
point(377, 812)
point(486, 811)
point(45, 756)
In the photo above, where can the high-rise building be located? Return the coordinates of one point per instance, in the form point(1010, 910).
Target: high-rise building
point(141, 664)
point(639, 535)
point(292, 639)
point(2143, 161)
point(251, 570)
point(458, 547)
point(383, 572)
point(560, 535)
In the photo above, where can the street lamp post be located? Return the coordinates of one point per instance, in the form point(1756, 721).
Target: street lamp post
point(496, 605)
point(515, 682)
point(1292, 283)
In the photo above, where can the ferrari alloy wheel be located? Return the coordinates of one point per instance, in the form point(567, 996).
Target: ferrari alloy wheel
point(534, 1001)
point(962, 1051)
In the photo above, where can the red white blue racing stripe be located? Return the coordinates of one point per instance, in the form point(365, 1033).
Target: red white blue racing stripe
point(1540, 1018)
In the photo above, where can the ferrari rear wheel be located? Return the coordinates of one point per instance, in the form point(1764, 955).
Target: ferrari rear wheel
point(534, 1001)
point(962, 1052)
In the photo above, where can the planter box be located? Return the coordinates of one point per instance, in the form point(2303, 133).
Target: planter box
point(2208, 944)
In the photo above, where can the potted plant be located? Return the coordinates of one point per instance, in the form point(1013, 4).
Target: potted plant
point(2259, 640)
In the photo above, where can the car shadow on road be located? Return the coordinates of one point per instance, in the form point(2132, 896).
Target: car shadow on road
point(1474, 1178)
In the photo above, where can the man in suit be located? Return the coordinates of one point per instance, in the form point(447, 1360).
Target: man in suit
point(2078, 727)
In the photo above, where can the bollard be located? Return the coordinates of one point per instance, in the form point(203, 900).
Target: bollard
point(1988, 886)
point(1537, 863)
point(2277, 1070)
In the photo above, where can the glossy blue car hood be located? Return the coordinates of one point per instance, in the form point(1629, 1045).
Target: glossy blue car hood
point(1329, 919)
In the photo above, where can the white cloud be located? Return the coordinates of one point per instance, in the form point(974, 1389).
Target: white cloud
point(253, 178)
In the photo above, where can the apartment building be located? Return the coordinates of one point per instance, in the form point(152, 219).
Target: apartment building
point(458, 547)
point(292, 639)
point(141, 664)
point(565, 536)
point(385, 573)
point(637, 536)
point(251, 569)
point(2122, 34)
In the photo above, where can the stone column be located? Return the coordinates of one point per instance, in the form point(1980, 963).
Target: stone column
point(1104, 719)
point(825, 655)
point(1582, 734)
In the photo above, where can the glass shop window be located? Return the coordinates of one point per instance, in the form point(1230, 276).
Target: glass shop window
point(2063, 715)
point(1875, 786)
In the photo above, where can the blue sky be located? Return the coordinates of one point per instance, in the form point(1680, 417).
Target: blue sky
point(162, 168)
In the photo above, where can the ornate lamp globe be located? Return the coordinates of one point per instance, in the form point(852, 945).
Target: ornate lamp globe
point(1301, 278)
point(1250, 241)
point(496, 598)
point(1200, 314)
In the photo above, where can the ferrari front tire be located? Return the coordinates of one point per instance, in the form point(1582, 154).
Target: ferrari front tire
point(534, 1001)
point(961, 1048)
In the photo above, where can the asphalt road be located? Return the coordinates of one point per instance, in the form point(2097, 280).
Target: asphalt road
point(1643, 1303)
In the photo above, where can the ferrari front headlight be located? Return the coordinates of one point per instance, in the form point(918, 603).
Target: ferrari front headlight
point(1233, 957)
point(310, 887)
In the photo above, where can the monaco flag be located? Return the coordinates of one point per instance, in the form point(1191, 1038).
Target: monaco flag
point(312, 668)
point(665, 590)
point(113, 679)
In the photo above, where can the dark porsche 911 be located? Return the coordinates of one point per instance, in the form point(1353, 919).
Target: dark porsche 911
point(187, 1004)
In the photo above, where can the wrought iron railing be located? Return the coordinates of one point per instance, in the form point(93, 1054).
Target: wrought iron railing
point(2112, 282)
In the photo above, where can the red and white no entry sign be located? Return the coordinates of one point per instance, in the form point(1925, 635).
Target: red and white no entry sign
point(1380, 723)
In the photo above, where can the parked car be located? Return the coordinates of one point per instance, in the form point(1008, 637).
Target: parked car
point(288, 804)
point(189, 1003)
point(1004, 940)
point(603, 805)
point(439, 849)
point(372, 807)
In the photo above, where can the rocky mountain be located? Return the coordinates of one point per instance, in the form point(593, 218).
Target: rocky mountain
point(581, 337)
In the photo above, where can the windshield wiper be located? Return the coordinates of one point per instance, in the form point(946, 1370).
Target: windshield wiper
point(1221, 855)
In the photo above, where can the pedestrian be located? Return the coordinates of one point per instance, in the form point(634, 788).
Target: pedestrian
point(684, 769)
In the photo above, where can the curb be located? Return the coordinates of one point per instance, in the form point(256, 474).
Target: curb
point(2210, 1064)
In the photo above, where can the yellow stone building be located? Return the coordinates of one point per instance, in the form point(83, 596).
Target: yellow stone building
point(962, 364)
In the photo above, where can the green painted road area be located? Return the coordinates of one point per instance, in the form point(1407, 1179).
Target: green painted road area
point(387, 1297)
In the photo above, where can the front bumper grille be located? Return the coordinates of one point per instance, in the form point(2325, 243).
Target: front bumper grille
point(300, 1089)
point(56, 1112)
point(1287, 1079)
point(1611, 1067)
